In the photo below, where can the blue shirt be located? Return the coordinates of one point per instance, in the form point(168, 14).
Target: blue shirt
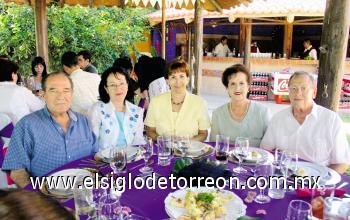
point(39, 144)
point(121, 141)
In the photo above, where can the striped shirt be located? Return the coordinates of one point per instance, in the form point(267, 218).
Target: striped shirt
point(39, 144)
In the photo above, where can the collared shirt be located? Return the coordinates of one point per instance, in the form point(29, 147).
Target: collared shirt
point(17, 101)
point(85, 90)
point(39, 144)
point(320, 138)
point(221, 50)
point(192, 117)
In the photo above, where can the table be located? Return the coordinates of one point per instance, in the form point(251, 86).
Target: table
point(150, 203)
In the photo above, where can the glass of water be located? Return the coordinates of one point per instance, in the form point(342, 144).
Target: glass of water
point(164, 150)
point(299, 210)
point(147, 152)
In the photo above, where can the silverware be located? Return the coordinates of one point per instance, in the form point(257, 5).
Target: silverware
point(342, 185)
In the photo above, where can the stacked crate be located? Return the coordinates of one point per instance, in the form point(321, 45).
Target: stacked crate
point(260, 86)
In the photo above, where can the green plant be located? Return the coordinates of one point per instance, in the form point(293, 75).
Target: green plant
point(108, 32)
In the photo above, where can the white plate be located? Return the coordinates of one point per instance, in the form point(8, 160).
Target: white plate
point(312, 169)
point(235, 207)
point(68, 173)
point(131, 153)
point(263, 155)
point(196, 146)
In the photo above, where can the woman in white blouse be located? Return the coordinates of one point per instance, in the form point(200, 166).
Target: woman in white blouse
point(116, 121)
point(39, 72)
point(16, 101)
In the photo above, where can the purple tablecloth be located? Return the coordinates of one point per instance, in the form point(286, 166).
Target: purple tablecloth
point(150, 203)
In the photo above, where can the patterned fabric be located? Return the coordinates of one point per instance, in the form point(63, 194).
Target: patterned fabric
point(106, 128)
point(39, 145)
point(17, 101)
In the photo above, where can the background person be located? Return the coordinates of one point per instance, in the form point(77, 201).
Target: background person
point(309, 51)
point(38, 72)
point(84, 62)
point(222, 50)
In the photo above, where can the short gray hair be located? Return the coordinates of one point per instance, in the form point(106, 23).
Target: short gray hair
point(44, 81)
point(302, 73)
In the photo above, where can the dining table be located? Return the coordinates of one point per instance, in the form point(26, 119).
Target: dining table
point(150, 202)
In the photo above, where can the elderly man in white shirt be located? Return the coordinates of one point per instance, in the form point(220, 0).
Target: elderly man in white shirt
point(85, 84)
point(313, 132)
point(222, 50)
point(16, 101)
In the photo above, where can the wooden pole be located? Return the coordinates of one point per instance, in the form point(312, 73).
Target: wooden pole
point(189, 53)
point(163, 29)
point(288, 39)
point(247, 44)
point(41, 38)
point(198, 46)
point(241, 35)
point(335, 33)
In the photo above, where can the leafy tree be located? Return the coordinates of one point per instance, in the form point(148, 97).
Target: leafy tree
point(108, 32)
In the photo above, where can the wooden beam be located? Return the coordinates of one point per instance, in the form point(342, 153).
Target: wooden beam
point(308, 20)
point(163, 29)
point(241, 35)
point(288, 39)
point(189, 52)
point(198, 46)
point(334, 38)
point(247, 44)
point(41, 38)
point(216, 5)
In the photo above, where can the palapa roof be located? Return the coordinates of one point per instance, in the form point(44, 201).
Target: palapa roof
point(256, 8)
point(210, 5)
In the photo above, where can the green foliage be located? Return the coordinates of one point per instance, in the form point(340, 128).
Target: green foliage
point(108, 32)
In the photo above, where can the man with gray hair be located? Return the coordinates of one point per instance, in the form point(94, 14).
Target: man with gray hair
point(313, 132)
point(51, 137)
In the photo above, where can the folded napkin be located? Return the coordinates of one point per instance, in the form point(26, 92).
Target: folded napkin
point(305, 193)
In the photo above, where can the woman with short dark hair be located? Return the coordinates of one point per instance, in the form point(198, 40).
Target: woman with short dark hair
point(114, 119)
point(240, 117)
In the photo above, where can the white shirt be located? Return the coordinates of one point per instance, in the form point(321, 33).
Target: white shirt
point(221, 50)
point(157, 87)
point(85, 90)
point(320, 139)
point(313, 53)
point(17, 101)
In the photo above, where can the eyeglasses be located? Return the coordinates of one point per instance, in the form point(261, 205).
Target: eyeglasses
point(115, 85)
point(295, 89)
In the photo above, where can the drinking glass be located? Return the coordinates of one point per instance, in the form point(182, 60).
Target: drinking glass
point(222, 146)
point(164, 151)
point(110, 208)
point(263, 171)
point(83, 199)
point(118, 159)
point(147, 152)
point(299, 210)
point(241, 151)
point(184, 144)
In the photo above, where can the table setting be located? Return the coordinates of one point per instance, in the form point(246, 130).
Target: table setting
point(168, 156)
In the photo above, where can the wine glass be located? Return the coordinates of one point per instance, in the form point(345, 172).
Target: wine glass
point(222, 146)
point(118, 159)
point(147, 152)
point(263, 171)
point(299, 210)
point(241, 151)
